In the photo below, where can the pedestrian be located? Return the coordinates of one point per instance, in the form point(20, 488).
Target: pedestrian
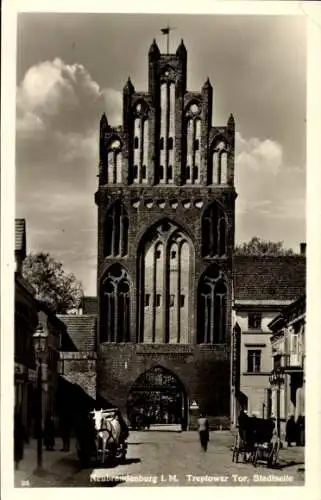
point(65, 426)
point(18, 439)
point(243, 423)
point(203, 430)
point(49, 433)
point(300, 431)
point(291, 431)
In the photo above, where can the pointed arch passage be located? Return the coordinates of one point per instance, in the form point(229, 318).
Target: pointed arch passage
point(212, 309)
point(116, 231)
point(159, 395)
point(165, 271)
point(214, 232)
point(115, 305)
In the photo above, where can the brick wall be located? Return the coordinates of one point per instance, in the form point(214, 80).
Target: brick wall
point(187, 215)
point(79, 368)
point(204, 372)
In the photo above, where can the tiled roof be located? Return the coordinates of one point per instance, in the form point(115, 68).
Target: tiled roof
point(269, 277)
point(90, 305)
point(20, 235)
point(81, 332)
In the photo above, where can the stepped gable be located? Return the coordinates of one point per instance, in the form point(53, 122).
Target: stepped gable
point(81, 332)
point(269, 277)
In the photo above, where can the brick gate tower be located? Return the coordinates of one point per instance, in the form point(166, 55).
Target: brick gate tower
point(166, 215)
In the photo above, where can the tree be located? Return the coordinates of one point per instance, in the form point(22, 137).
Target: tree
point(58, 290)
point(257, 246)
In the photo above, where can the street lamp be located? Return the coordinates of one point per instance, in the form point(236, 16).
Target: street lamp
point(40, 342)
point(277, 379)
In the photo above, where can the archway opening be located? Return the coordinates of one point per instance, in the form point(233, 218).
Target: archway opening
point(159, 397)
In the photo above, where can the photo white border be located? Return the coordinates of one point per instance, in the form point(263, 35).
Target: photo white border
point(312, 12)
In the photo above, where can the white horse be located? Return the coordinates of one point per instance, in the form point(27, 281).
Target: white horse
point(108, 430)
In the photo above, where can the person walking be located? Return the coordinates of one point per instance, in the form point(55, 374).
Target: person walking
point(49, 433)
point(300, 431)
point(243, 423)
point(18, 439)
point(290, 431)
point(203, 430)
point(65, 426)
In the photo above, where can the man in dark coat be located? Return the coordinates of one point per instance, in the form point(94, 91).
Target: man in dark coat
point(65, 428)
point(49, 433)
point(243, 423)
point(18, 439)
point(203, 430)
point(290, 431)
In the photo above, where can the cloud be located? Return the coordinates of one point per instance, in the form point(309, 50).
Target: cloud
point(59, 106)
point(259, 156)
point(271, 194)
point(64, 97)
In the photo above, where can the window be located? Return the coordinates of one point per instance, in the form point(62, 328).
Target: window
point(171, 300)
point(116, 231)
point(254, 321)
point(195, 172)
point(144, 171)
point(170, 143)
point(136, 143)
point(214, 232)
point(170, 172)
point(277, 361)
point(158, 300)
point(254, 361)
point(196, 145)
point(181, 300)
point(173, 254)
point(135, 171)
point(147, 298)
point(212, 303)
point(115, 301)
point(161, 172)
point(158, 254)
point(161, 143)
point(294, 343)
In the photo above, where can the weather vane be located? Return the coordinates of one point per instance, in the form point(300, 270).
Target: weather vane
point(166, 31)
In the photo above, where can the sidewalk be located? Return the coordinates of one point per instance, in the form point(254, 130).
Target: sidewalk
point(57, 466)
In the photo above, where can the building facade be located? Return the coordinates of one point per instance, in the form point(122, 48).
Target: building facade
point(30, 314)
point(288, 356)
point(166, 215)
point(263, 287)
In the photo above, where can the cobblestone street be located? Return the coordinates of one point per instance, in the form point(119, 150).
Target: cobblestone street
point(176, 459)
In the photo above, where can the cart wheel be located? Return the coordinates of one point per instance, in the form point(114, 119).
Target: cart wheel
point(235, 457)
point(235, 450)
point(275, 453)
point(255, 457)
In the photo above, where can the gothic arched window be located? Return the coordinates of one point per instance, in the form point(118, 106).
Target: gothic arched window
point(114, 162)
point(165, 260)
point(218, 165)
point(167, 129)
point(116, 231)
point(115, 300)
point(140, 155)
point(193, 137)
point(212, 309)
point(214, 232)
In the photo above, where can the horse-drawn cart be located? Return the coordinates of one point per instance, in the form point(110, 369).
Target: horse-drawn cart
point(104, 438)
point(256, 442)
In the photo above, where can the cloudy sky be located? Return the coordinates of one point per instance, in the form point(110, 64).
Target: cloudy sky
point(72, 67)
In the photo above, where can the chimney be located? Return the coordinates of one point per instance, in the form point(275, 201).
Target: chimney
point(303, 248)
